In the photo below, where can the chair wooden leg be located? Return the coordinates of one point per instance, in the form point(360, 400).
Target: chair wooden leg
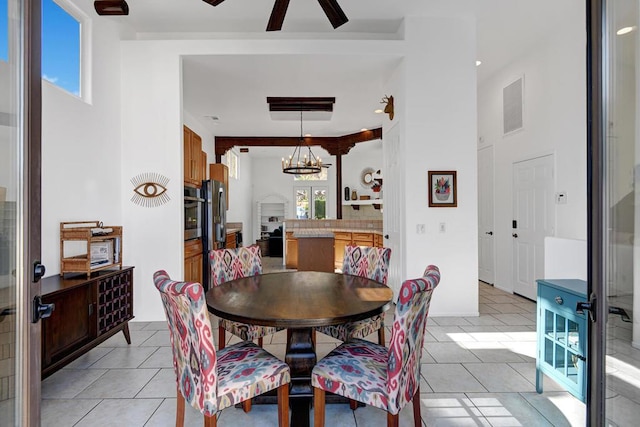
point(393, 420)
point(283, 405)
point(353, 404)
point(260, 342)
point(246, 405)
point(318, 407)
point(179, 409)
point(381, 335)
point(211, 421)
point(417, 418)
point(220, 338)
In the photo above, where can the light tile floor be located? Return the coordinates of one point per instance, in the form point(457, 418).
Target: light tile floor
point(477, 371)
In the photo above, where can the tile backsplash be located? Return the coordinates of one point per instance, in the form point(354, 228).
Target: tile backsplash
point(357, 224)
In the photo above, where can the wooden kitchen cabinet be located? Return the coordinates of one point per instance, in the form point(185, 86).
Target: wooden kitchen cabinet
point(231, 242)
point(291, 248)
point(193, 261)
point(377, 240)
point(220, 172)
point(362, 239)
point(316, 254)
point(87, 312)
point(341, 240)
point(194, 170)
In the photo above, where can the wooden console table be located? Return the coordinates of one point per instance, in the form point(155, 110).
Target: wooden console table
point(87, 312)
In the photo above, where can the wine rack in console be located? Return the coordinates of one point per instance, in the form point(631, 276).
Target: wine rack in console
point(89, 246)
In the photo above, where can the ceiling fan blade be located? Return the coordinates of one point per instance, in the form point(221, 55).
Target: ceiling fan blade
point(277, 15)
point(334, 12)
point(213, 2)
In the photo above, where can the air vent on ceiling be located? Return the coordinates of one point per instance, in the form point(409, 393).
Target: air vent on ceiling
point(512, 106)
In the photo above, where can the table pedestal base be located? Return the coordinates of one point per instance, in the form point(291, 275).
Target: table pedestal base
point(301, 358)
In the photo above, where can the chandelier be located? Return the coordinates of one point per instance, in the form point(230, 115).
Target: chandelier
point(299, 163)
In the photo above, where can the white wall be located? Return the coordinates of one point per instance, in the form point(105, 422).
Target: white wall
point(81, 150)
point(554, 123)
point(439, 116)
point(203, 132)
point(241, 208)
point(364, 155)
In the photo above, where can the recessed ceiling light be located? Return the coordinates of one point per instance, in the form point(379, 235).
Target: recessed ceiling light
point(478, 63)
point(625, 30)
point(378, 111)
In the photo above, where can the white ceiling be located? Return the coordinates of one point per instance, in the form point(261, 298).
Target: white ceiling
point(234, 88)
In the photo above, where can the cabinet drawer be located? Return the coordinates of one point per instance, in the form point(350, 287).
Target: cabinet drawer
point(342, 235)
point(559, 300)
point(192, 248)
point(362, 236)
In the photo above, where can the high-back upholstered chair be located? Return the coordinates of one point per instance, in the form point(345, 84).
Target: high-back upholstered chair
point(230, 264)
point(387, 378)
point(372, 263)
point(211, 382)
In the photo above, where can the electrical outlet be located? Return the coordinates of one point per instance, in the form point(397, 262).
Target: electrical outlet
point(442, 227)
point(420, 229)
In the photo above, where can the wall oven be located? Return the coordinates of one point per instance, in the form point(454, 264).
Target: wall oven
point(193, 211)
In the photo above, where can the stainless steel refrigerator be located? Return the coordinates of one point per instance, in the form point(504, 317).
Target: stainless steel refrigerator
point(214, 223)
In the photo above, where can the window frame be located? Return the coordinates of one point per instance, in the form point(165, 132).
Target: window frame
point(85, 27)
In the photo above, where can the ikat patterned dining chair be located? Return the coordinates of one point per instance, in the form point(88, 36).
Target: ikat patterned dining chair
point(208, 380)
point(387, 378)
point(230, 264)
point(372, 263)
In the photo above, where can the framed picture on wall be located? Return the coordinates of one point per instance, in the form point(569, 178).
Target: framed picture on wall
point(443, 189)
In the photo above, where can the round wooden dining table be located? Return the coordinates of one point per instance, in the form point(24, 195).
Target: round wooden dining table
point(299, 301)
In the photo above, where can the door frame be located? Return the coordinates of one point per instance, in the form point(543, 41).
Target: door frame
point(596, 209)
point(482, 230)
point(28, 341)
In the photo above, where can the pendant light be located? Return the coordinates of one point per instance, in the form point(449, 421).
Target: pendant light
point(299, 163)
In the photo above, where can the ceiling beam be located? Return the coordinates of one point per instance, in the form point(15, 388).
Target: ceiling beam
point(336, 145)
point(305, 103)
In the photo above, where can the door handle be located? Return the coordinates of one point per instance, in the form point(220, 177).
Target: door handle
point(38, 271)
point(515, 235)
point(621, 312)
point(7, 312)
point(490, 233)
point(40, 310)
point(588, 306)
point(386, 236)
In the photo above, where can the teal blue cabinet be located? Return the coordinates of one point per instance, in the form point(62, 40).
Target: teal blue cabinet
point(562, 335)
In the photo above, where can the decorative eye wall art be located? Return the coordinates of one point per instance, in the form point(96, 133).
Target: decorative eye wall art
point(150, 189)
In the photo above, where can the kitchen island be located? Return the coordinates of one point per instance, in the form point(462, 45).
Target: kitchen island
point(345, 232)
point(315, 250)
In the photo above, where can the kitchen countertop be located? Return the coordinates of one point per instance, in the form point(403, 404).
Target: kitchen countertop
point(302, 233)
point(299, 230)
point(234, 230)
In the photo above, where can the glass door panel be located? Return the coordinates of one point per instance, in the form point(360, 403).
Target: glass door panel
point(311, 202)
point(621, 364)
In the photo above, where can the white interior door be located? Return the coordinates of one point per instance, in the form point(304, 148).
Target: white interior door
point(486, 248)
point(534, 219)
point(392, 215)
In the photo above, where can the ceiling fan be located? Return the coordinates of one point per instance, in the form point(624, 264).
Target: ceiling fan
point(331, 8)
